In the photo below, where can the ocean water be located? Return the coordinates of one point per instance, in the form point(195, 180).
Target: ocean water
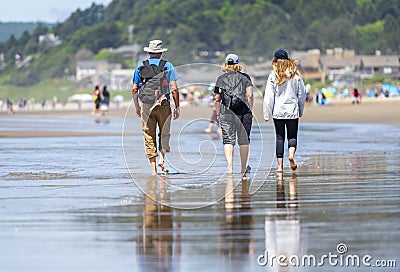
point(89, 203)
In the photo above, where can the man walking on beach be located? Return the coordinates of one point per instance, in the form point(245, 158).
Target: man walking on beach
point(154, 81)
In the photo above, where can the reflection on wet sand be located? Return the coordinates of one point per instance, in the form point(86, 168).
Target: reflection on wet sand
point(91, 218)
point(236, 227)
point(158, 245)
point(283, 231)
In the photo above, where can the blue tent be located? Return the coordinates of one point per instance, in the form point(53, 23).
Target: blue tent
point(371, 93)
point(392, 89)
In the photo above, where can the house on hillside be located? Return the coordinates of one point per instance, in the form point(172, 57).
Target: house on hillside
point(379, 65)
point(259, 73)
point(50, 39)
point(121, 79)
point(310, 64)
point(339, 63)
point(132, 51)
point(87, 68)
point(95, 72)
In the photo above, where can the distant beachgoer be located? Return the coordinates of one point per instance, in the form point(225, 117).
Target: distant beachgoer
point(356, 96)
point(376, 92)
point(284, 99)
point(385, 93)
point(309, 98)
point(213, 119)
point(316, 94)
point(10, 108)
point(54, 102)
point(105, 100)
point(153, 82)
point(234, 104)
point(213, 122)
point(96, 98)
point(184, 92)
point(323, 99)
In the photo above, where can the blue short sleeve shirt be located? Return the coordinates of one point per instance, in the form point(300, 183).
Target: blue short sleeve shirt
point(171, 74)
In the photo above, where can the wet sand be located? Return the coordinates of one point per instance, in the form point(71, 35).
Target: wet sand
point(36, 133)
point(89, 204)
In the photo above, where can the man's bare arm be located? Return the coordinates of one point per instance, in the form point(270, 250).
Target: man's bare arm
point(136, 99)
point(175, 96)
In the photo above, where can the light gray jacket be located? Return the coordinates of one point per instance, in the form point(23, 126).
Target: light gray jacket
point(285, 101)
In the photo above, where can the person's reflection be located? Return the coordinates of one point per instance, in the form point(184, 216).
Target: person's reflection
point(282, 226)
point(235, 239)
point(158, 245)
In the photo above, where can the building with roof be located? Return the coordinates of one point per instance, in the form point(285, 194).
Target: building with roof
point(339, 63)
point(94, 72)
point(310, 64)
point(379, 65)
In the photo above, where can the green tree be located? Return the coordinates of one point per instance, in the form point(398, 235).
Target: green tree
point(368, 36)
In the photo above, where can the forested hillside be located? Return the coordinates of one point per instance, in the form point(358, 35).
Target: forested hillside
point(7, 29)
point(253, 28)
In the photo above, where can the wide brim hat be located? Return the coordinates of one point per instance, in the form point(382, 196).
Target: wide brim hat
point(155, 46)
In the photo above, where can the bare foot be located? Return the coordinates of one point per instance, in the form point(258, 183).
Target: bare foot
point(293, 164)
point(280, 165)
point(163, 167)
point(246, 171)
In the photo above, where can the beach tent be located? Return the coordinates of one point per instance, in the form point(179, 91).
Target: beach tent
point(333, 90)
point(392, 89)
point(81, 98)
point(118, 99)
point(371, 93)
point(328, 93)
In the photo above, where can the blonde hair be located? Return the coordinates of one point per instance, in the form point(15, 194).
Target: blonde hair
point(282, 66)
point(233, 67)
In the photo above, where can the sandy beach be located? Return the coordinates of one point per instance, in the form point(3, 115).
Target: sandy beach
point(380, 111)
point(89, 204)
point(74, 186)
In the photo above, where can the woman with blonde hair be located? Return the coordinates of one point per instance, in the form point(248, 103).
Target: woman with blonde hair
point(284, 100)
point(234, 103)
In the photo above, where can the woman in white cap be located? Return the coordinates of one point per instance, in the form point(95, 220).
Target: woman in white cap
point(234, 104)
point(284, 97)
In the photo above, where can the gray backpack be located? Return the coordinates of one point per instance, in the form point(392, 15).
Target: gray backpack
point(153, 81)
point(233, 95)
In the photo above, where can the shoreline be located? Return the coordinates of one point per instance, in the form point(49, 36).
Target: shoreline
point(47, 133)
point(342, 111)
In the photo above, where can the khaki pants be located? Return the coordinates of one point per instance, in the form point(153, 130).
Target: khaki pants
point(161, 116)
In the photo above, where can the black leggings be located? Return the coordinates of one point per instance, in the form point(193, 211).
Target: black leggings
point(292, 126)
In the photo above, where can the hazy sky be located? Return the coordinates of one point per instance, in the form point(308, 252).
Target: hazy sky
point(42, 10)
